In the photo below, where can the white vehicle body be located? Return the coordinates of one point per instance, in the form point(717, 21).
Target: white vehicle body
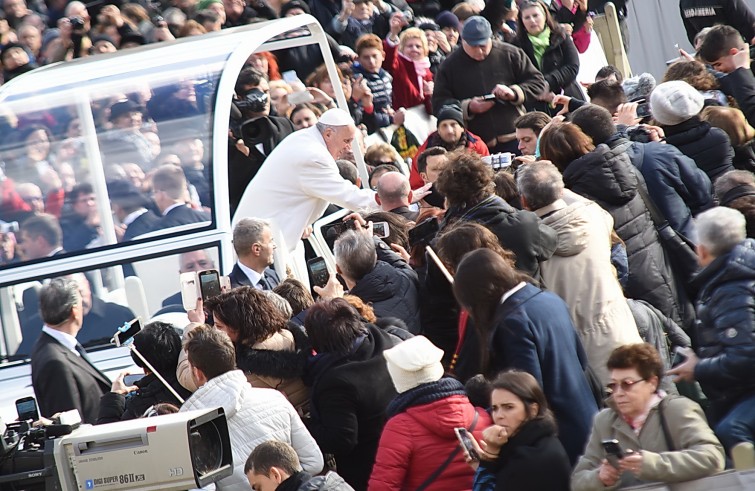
point(79, 90)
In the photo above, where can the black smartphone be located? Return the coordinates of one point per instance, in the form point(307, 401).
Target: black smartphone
point(679, 356)
point(488, 97)
point(466, 441)
point(125, 334)
point(26, 407)
point(318, 272)
point(424, 232)
point(613, 450)
point(209, 283)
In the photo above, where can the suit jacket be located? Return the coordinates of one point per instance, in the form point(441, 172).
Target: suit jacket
point(63, 381)
point(182, 215)
point(239, 278)
point(146, 222)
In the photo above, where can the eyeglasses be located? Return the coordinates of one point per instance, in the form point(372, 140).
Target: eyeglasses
point(626, 385)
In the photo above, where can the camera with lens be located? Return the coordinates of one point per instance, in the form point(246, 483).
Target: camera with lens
point(254, 101)
point(77, 23)
point(639, 134)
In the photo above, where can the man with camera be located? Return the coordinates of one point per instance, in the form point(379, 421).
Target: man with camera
point(254, 133)
point(62, 375)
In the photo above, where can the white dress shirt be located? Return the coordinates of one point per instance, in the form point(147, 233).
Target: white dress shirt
point(63, 338)
point(254, 277)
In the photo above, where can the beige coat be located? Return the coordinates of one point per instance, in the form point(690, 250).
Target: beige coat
point(699, 452)
point(581, 273)
point(294, 389)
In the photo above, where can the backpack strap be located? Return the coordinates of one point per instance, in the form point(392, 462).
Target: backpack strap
point(664, 426)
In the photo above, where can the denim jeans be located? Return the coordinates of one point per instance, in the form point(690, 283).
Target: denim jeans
point(738, 425)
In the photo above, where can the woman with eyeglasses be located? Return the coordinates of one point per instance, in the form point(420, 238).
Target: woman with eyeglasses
point(645, 435)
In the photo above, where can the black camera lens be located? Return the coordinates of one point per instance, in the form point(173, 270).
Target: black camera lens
point(77, 23)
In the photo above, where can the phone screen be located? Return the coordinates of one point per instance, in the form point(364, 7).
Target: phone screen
point(466, 440)
point(209, 283)
point(27, 409)
point(318, 271)
point(123, 337)
point(131, 379)
point(380, 229)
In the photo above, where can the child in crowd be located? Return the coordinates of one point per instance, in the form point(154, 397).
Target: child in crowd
point(406, 59)
point(370, 56)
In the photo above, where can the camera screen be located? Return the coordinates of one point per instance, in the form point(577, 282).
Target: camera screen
point(134, 327)
point(27, 409)
point(210, 285)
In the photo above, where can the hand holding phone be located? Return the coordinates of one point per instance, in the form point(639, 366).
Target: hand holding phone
point(318, 272)
point(125, 334)
point(488, 97)
point(466, 442)
point(614, 453)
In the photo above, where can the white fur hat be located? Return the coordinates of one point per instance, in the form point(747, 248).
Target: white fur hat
point(414, 362)
point(675, 102)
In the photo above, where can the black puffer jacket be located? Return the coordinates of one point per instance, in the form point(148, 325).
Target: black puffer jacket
point(709, 147)
point(519, 231)
point(607, 177)
point(392, 288)
point(117, 407)
point(726, 328)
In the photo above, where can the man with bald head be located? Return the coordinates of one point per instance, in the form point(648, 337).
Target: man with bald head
point(300, 177)
point(394, 195)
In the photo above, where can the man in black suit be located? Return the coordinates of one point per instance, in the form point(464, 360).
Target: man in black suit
point(101, 319)
point(254, 245)
point(169, 192)
point(394, 195)
point(62, 375)
point(130, 207)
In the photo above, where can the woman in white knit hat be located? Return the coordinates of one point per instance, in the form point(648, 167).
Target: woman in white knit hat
point(418, 448)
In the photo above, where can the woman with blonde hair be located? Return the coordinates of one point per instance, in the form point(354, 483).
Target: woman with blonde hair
point(406, 59)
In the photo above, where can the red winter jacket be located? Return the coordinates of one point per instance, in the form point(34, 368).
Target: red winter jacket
point(416, 442)
point(474, 143)
point(406, 90)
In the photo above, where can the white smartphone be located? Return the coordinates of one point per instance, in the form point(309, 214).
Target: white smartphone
point(300, 97)
point(189, 290)
point(381, 230)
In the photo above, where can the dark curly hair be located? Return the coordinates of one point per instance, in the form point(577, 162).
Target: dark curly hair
point(466, 180)
point(641, 356)
point(249, 312)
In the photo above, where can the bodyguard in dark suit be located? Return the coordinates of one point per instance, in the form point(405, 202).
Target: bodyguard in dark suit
point(170, 188)
point(130, 207)
point(254, 245)
point(62, 375)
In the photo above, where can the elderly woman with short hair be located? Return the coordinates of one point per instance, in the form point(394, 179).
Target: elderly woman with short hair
point(664, 438)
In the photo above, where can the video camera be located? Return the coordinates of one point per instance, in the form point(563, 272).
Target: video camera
point(170, 452)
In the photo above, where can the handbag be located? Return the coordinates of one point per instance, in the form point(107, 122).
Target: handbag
point(437, 472)
point(680, 250)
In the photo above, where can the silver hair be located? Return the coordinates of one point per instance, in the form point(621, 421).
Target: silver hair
point(280, 303)
point(321, 127)
point(540, 183)
point(57, 299)
point(355, 254)
point(246, 233)
point(720, 229)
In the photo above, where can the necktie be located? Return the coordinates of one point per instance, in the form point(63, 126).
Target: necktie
point(84, 355)
point(263, 284)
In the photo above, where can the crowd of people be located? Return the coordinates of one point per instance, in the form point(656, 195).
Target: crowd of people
point(588, 309)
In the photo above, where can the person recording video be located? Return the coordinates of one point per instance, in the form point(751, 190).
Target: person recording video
point(160, 344)
point(253, 131)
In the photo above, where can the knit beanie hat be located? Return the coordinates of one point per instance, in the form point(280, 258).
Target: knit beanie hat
point(447, 19)
point(203, 4)
point(675, 102)
point(294, 4)
point(414, 362)
point(451, 111)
